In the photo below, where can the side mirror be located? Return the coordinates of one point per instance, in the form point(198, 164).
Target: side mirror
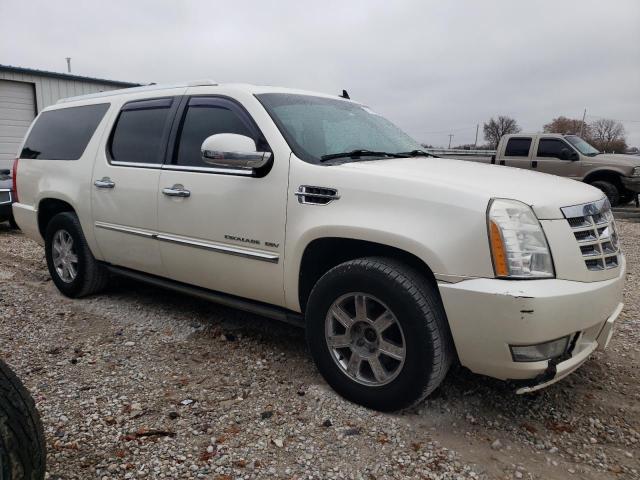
point(574, 156)
point(565, 154)
point(230, 150)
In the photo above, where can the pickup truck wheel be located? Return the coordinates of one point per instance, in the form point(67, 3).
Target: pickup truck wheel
point(22, 447)
point(610, 190)
point(71, 264)
point(378, 333)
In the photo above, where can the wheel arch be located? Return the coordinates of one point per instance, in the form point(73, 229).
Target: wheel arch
point(323, 253)
point(49, 207)
point(606, 174)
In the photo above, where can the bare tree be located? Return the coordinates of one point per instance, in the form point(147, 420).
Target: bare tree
point(567, 126)
point(608, 135)
point(495, 129)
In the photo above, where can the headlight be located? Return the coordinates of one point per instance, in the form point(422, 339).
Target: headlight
point(635, 172)
point(518, 245)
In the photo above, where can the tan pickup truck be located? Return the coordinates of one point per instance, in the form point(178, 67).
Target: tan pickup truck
point(618, 176)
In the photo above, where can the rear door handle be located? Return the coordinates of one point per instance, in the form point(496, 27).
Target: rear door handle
point(104, 182)
point(176, 191)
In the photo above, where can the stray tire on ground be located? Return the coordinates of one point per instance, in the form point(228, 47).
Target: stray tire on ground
point(22, 447)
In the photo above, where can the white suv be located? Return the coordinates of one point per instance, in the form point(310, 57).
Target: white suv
point(313, 209)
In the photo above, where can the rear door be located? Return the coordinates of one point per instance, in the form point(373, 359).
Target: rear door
point(228, 233)
point(547, 158)
point(125, 184)
point(517, 153)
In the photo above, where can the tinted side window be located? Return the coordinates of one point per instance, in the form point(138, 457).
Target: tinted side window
point(518, 147)
point(205, 117)
point(63, 134)
point(140, 130)
point(549, 147)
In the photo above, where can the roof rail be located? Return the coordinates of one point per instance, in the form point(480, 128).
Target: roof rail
point(144, 88)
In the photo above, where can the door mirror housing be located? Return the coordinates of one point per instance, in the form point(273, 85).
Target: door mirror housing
point(233, 151)
point(565, 154)
point(574, 156)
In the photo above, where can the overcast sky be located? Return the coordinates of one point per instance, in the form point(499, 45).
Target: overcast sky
point(433, 68)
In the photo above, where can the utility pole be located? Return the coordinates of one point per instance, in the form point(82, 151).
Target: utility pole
point(475, 145)
point(450, 137)
point(68, 64)
point(582, 124)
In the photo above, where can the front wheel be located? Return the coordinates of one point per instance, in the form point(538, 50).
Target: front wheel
point(610, 190)
point(378, 333)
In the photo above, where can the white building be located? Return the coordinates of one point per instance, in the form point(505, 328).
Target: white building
point(24, 92)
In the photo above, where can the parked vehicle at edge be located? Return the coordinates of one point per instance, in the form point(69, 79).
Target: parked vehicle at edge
point(618, 176)
point(22, 446)
point(313, 209)
point(6, 198)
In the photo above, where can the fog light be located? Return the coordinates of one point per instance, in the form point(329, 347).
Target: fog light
point(540, 351)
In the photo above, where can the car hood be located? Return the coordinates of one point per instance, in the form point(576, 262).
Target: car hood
point(546, 194)
point(616, 159)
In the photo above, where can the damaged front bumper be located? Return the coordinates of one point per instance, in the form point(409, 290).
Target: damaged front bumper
point(489, 316)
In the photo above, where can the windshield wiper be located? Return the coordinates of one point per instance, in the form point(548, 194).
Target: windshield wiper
point(361, 153)
point(419, 153)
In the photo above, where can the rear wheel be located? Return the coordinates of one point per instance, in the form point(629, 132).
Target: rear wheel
point(22, 447)
point(610, 190)
point(12, 222)
point(72, 266)
point(378, 333)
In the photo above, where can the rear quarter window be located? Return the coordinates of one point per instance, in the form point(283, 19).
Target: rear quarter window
point(517, 147)
point(63, 134)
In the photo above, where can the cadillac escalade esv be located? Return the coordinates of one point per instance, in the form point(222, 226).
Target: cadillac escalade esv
point(315, 210)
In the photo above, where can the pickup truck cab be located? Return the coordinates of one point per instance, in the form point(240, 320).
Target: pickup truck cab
point(618, 176)
point(314, 209)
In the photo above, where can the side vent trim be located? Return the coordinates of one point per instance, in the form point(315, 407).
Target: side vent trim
point(311, 195)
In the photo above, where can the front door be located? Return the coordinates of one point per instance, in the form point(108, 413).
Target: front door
point(125, 185)
point(222, 229)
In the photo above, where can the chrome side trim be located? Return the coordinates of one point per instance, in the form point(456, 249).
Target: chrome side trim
point(586, 209)
point(214, 247)
point(221, 248)
point(135, 164)
point(228, 171)
point(308, 193)
point(122, 229)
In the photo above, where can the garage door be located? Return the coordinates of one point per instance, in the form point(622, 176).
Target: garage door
point(17, 110)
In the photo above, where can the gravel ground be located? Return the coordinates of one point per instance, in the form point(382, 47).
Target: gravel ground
point(144, 383)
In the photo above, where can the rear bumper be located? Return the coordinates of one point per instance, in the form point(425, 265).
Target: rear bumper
point(631, 183)
point(486, 316)
point(27, 219)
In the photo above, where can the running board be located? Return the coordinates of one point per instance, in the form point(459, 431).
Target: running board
point(251, 306)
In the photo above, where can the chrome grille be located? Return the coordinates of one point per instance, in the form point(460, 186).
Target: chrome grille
point(5, 196)
point(595, 231)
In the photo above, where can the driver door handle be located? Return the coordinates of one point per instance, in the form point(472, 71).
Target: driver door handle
point(104, 182)
point(176, 191)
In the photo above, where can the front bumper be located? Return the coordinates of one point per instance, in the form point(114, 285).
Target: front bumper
point(488, 315)
point(631, 183)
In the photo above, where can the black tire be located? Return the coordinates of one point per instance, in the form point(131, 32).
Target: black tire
point(91, 276)
point(419, 311)
point(626, 197)
point(610, 190)
point(22, 446)
point(12, 223)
